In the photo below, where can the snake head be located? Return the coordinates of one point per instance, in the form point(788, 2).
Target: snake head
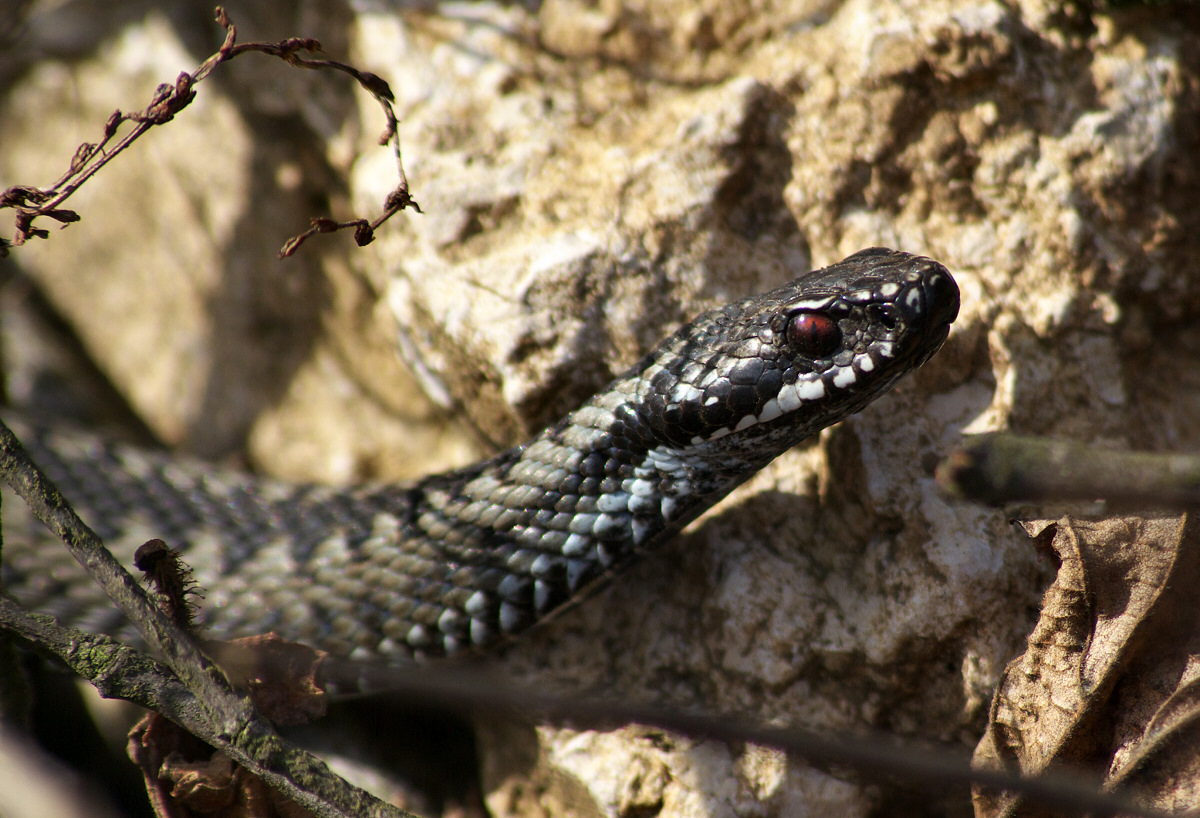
point(754, 378)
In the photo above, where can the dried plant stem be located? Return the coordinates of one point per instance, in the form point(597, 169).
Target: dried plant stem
point(32, 203)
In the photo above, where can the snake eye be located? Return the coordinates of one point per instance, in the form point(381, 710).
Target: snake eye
point(813, 334)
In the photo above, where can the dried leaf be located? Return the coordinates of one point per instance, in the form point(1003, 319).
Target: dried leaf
point(281, 676)
point(185, 778)
point(1109, 684)
point(204, 786)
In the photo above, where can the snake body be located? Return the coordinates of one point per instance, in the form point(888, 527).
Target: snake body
point(465, 559)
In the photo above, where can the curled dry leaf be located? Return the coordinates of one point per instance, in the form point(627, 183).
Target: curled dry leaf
point(282, 677)
point(1109, 684)
point(185, 778)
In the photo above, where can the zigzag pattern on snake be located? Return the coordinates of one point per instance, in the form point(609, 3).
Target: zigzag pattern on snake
point(466, 559)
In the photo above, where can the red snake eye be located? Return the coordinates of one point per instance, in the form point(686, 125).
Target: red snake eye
point(813, 334)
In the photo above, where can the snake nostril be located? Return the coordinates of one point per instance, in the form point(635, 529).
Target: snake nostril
point(884, 315)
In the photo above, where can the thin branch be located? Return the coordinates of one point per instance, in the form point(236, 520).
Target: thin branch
point(48, 504)
point(1001, 468)
point(31, 203)
point(190, 690)
point(364, 231)
point(464, 688)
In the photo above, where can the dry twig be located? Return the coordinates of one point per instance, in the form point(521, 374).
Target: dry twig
point(186, 686)
point(1001, 468)
point(32, 203)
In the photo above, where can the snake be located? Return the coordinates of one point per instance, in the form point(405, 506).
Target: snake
point(463, 561)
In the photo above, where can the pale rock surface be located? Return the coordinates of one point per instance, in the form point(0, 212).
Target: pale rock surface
point(591, 176)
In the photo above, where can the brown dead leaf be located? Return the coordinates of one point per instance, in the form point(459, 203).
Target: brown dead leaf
point(204, 786)
point(280, 676)
point(1109, 684)
point(185, 778)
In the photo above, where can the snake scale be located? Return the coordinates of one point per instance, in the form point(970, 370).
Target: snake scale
point(466, 559)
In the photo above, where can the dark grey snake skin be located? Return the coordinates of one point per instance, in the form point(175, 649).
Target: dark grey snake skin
point(467, 558)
